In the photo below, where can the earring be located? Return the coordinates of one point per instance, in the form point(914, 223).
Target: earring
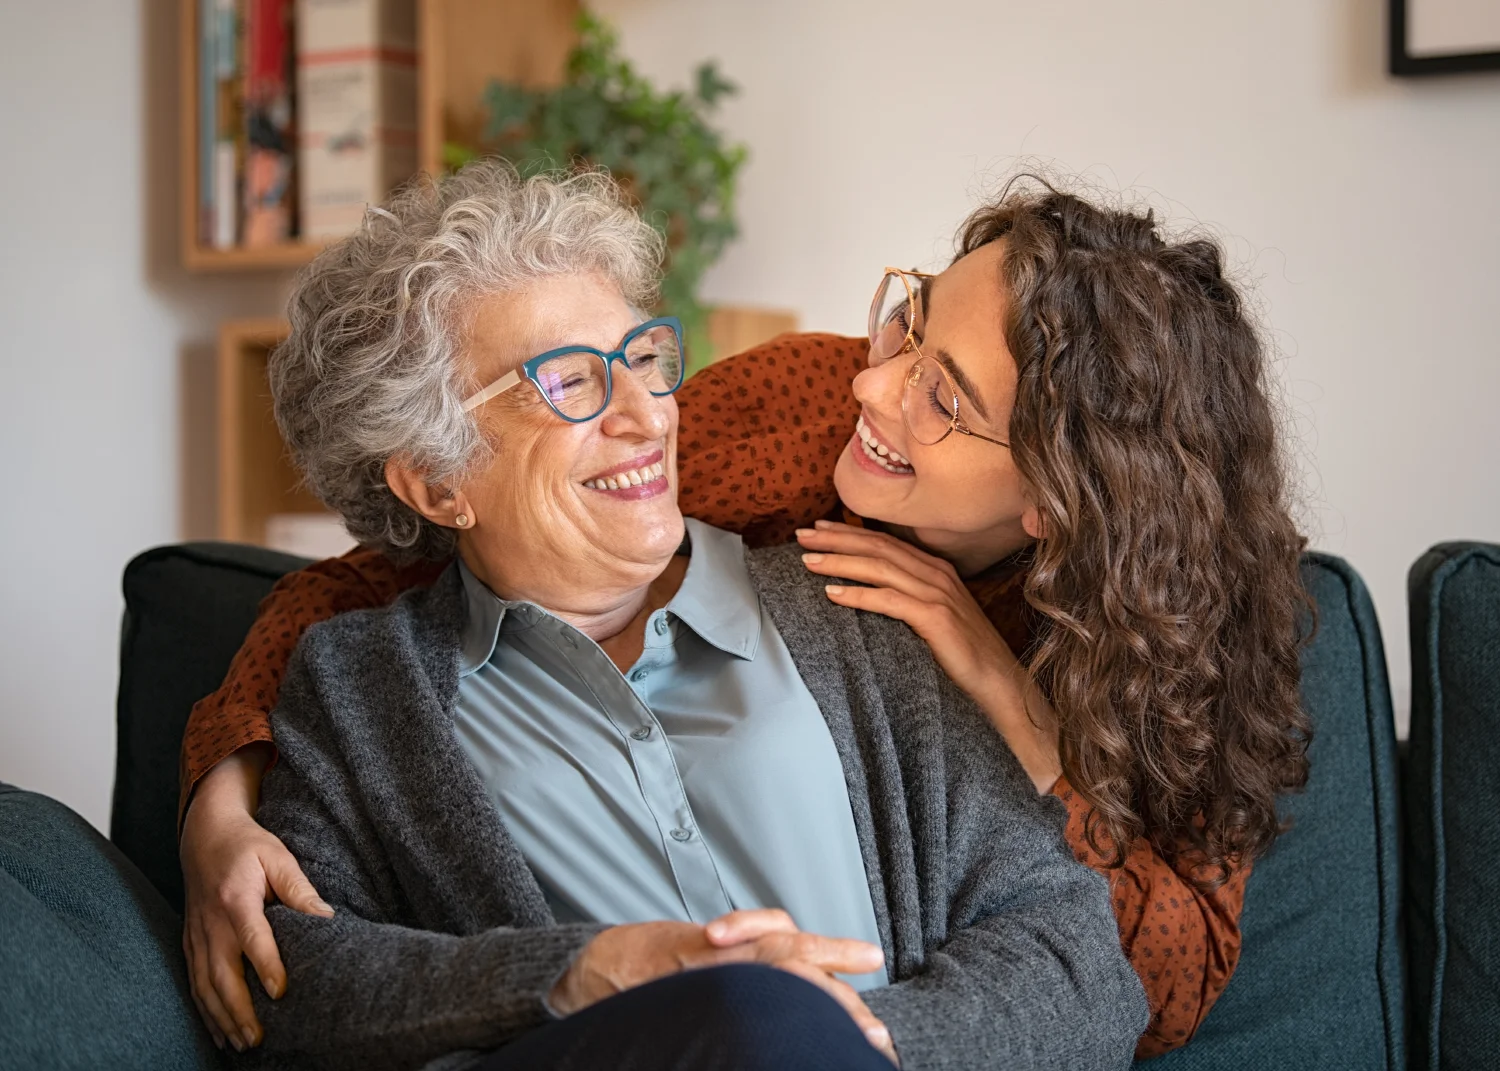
point(462, 520)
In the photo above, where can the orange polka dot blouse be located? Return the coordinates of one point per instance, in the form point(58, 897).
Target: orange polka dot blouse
point(759, 437)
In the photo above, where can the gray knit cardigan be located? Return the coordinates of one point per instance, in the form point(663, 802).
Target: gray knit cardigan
point(1002, 949)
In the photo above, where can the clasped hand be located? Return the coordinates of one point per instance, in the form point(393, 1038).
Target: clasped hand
point(623, 957)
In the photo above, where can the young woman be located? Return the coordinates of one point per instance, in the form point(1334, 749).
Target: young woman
point(1061, 466)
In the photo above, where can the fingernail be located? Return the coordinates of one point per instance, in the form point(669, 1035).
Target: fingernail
point(878, 1036)
point(812, 559)
point(715, 930)
point(249, 1036)
point(823, 524)
point(323, 906)
point(239, 1045)
point(805, 532)
point(275, 989)
point(834, 589)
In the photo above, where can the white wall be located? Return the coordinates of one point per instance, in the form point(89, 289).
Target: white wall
point(1365, 207)
point(106, 351)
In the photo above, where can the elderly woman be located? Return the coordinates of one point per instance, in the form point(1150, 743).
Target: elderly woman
point(571, 805)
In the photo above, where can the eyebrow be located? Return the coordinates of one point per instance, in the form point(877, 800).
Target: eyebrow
point(965, 384)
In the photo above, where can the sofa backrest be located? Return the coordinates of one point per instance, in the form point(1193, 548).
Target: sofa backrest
point(187, 610)
point(1452, 803)
point(1319, 982)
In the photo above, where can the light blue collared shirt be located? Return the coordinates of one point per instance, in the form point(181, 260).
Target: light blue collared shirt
point(701, 781)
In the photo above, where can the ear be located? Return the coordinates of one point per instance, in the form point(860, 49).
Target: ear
point(437, 504)
point(1032, 523)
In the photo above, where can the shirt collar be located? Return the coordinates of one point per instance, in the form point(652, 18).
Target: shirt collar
point(716, 600)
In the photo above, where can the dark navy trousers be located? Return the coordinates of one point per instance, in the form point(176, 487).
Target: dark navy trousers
point(743, 1017)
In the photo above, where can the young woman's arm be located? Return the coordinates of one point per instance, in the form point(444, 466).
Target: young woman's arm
point(231, 866)
point(1182, 941)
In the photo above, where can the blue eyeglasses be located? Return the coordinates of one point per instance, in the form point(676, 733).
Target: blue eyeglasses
point(575, 380)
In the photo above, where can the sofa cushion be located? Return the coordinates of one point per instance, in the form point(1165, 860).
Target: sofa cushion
point(1319, 983)
point(187, 610)
point(1452, 802)
point(91, 971)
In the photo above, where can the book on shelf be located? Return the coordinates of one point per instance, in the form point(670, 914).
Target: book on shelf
point(268, 186)
point(307, 114)
point(357, 108)
point(227, 151)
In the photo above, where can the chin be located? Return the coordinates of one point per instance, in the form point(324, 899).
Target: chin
point(863, 493)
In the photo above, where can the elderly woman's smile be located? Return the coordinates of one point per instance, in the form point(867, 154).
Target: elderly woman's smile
point(568, 511)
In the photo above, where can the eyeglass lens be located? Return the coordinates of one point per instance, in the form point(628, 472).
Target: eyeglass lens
point(576, 383)
point(892, 315)
point(929, 403)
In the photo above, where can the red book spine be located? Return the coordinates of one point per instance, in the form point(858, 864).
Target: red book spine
point(270, 136)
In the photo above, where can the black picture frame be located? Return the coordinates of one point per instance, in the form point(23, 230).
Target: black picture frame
point(1405, 65)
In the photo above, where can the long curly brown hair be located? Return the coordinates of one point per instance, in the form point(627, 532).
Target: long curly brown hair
point(1167, 575)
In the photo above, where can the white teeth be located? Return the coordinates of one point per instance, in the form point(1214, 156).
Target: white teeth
point(631, 478)
point(878, 452)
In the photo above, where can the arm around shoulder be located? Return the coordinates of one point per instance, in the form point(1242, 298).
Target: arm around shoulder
point(369, 986)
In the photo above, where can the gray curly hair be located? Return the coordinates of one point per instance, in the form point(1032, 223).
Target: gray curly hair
point(370, 370)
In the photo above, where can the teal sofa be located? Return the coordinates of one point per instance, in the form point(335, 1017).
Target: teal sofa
point(1322, 981)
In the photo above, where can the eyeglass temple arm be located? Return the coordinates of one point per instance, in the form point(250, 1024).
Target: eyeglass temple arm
point(500, 386)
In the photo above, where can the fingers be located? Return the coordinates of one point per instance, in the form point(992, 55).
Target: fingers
point(290, 885)
point(887, 601)
point(846, 539)
point(259, 946)
point(840, 955)
point(875, 571)
point(220, 1022)
point(873, 1029)
point(198, 981)
point(740, 926)
point(226, 976)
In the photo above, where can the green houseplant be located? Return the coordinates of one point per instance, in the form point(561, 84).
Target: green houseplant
point(660, 146)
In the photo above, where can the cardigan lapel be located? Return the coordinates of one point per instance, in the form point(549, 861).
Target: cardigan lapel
point(826, 645)
point(463, 868)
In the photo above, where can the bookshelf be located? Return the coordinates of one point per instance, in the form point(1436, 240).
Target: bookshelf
point(462, 45)
point(257, 480)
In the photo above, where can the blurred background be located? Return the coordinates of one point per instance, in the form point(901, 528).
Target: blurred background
point(150, 229)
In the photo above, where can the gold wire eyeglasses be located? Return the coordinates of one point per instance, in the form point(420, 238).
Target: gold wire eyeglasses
point(929, 398)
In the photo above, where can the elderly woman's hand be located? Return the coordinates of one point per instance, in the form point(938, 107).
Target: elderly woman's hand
point(231, 868)
point(624, 957)
point(927, 593)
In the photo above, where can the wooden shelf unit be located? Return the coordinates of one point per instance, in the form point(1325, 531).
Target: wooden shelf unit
point(462, 46)
point(257, 479)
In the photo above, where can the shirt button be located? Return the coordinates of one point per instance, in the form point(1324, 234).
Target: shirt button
point(643, 733)
point(639, 674)
point(661, 626)
point(682, 834)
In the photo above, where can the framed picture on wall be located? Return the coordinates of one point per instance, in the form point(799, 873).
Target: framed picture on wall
point(1444, 36)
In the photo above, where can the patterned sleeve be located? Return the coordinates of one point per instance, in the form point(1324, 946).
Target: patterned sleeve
point(1182, 941)
point(239, 713)
point(761, 432)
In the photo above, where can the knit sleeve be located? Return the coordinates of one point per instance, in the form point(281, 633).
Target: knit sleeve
point(761, 432)
point(1182, 941)
point(239, 713)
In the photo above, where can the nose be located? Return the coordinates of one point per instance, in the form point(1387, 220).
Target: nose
point(880, 386)
point(633, 410)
